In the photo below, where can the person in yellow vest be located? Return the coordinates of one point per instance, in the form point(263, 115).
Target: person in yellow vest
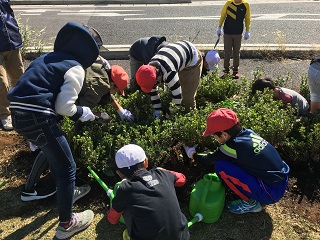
point(233, 14)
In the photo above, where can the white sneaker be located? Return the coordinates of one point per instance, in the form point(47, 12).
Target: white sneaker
point(7, 123)
point(79, 222)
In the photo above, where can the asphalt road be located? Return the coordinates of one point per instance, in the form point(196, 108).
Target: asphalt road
point(272, 22)
point(294, 69)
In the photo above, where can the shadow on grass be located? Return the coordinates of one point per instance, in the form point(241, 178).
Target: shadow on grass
point(253, 226)
point(34, 226)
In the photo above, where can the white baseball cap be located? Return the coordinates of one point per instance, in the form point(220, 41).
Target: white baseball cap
point(129, 155)
point(212, 58)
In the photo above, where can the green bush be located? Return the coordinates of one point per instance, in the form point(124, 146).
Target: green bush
point(95, 144)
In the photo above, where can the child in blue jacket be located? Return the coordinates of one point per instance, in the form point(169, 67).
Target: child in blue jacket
point(48, 88)
point(245, 162)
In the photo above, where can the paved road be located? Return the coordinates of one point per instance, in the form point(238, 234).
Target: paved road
point(273, 22)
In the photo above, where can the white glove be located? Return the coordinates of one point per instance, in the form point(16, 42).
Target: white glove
point(87, 115)
point(33, 147)
point(105, 63)
point(246, 35)
point(156, 114)
point(190, 150)
point(219, 31)
point(125, 115)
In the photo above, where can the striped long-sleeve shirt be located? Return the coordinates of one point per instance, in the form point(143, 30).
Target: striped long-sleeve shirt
point(172, 59)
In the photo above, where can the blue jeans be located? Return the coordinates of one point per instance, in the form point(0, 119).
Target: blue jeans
point(42, 130)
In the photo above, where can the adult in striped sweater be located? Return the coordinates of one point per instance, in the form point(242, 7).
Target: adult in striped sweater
point(178, 65)
point(232, 16)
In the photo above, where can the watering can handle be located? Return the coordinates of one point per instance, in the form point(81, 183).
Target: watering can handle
point(205, 192)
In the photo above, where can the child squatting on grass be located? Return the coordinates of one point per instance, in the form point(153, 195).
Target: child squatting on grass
point(147, 199)
point(245, 162)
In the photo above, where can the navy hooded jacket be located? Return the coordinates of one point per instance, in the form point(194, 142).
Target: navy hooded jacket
point(10, 38)
point(52, 82)
point(145, 48)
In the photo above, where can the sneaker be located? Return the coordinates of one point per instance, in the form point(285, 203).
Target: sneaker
point(240, 206)
point(235, 74)
point(7, 123)
point(81, 191)
point(38, 193)
point(79, 222)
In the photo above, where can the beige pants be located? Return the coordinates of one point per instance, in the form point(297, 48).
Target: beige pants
point(11, 66)
point(232, 45)
point(189, 81)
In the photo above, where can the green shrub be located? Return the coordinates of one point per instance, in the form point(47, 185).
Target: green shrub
point(95, 144)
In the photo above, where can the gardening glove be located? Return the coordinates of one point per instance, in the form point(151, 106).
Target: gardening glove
point(156, 114)
point(125, 115)
point(190, 150)
point(87, 115)
point(33, 147)
point(246, 35)
point(105, 63)
point(219, 31)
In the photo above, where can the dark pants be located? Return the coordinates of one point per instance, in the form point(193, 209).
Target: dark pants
point(43, 131)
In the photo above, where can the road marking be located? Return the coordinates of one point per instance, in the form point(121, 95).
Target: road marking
point(254, 17)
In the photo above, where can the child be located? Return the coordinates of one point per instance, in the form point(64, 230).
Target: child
point(232, 16)
point(101, 82)
point(50, 87)
point(286, 95)
point(246, 163)
point(147, 199)
point(210, 62)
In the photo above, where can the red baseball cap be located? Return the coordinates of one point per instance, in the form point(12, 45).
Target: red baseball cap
point(146, 77)
point(220, 120)
point(119, 77)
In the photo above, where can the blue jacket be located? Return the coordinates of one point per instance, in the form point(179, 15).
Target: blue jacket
point(52, 82)
point(10, 38)
point(253, 154)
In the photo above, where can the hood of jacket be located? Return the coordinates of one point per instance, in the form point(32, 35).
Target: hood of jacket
point(77, 41)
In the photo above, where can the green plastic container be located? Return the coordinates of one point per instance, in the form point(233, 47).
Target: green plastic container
point(207, 197)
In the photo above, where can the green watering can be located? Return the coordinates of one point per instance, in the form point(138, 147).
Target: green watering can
point(207, 199)
point(111, 193)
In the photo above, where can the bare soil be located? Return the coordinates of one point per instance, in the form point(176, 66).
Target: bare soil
point(296, 216)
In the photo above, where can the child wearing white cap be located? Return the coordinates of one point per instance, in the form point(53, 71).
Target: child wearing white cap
point(210, 62)
point(147, 200)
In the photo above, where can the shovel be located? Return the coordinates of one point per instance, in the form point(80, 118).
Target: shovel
point(217, 42)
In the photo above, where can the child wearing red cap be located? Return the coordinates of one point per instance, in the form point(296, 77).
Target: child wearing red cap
point(178, 66)
point(246, 163)
point(147, 199)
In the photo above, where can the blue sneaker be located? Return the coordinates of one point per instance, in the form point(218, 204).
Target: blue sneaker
point(240, 206)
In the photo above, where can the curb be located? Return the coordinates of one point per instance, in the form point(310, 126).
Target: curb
point(249, 51)
point(96, 2)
